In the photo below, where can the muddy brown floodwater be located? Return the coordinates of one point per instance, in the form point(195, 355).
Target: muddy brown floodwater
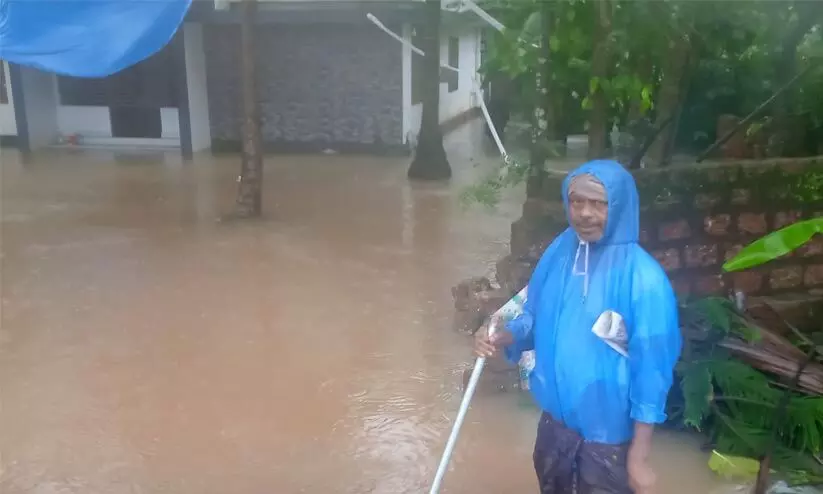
point(148, 349)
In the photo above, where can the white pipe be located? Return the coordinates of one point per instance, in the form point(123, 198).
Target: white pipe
point(489, 122)
point(399, 38)
point(487, 17)
point(484, 15)
point(461, 416)
point(458, 423)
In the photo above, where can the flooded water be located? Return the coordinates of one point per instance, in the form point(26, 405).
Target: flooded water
point(147, 348)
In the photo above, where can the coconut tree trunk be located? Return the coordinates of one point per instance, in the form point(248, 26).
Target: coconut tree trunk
point(544, 126)
point(598, 119)
point(672, 90)
point(250, 190)
point(430, 161)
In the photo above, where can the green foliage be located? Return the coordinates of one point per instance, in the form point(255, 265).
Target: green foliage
point(736, 47)
point(735, 404)
point(696, 382)
point(775, 244)
point(487, 191)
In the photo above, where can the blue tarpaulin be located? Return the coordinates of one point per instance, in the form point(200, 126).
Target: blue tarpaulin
point(86, 38)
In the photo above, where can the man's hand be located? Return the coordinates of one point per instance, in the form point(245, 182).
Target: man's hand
point(485, 346)
point(642, 478)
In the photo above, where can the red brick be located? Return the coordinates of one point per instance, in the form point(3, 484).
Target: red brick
point(814, 275)
point(709, 285)
point(706, 201)
point(718, 224)
point(814, 247)
point(682, 286)
point(741, 197)
point(668, 258)
point(731, 251)
point(752, 223)
point(675, 230)
point(748, 282)
point(789, 277)
point(785, 218)
point(701, 255)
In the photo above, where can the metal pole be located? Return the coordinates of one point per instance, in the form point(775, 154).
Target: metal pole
point(458, 423)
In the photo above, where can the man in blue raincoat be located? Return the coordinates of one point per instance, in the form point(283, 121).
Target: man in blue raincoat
point(600, 398)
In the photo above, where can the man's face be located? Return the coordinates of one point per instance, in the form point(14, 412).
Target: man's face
point(588, 208)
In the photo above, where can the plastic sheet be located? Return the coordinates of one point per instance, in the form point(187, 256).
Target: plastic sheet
point(86, 38)
point(578, 377)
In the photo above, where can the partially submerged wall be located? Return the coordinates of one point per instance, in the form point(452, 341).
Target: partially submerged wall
point(693, 219)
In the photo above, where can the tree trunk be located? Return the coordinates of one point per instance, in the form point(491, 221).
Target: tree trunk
point(544, 127)
point(598, 119)
point(672, 91)
point(430, 161)
point(250, 190)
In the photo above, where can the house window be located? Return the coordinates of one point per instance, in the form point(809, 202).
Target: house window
point(149, 84)
point(454, 61)
point(4, 90)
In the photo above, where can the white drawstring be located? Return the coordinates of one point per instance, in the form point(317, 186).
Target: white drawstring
point(585, 272)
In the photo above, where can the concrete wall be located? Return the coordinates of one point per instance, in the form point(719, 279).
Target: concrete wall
point(8, 124)
point(320, 85)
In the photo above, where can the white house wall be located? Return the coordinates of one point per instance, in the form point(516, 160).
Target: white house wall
point(8, 122)
point(451, 103)
point(87, 121)
point(94, 122)
point(170, 121)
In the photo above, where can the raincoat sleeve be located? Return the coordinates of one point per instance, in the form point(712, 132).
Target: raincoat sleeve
point(654, 342)
point(522, 325)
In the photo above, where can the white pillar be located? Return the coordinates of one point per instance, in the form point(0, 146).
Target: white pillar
point(407, 82)
point(8, 122)
point(196, 87)
point(40, 100)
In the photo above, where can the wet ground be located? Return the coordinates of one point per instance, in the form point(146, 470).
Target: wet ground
point(147, 348)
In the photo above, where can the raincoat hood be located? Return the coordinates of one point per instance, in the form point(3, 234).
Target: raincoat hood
point(623, 221)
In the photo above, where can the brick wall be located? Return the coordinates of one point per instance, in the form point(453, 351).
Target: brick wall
point(321, 85)
point(695, 218)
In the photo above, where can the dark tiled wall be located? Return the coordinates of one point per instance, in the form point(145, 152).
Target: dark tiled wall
point(318, 84)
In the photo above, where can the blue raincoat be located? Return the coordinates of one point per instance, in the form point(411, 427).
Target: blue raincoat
point(86, 38)
point(578, 378)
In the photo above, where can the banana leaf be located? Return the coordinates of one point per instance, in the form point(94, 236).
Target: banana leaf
point(734, 467)
point(775, 244)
